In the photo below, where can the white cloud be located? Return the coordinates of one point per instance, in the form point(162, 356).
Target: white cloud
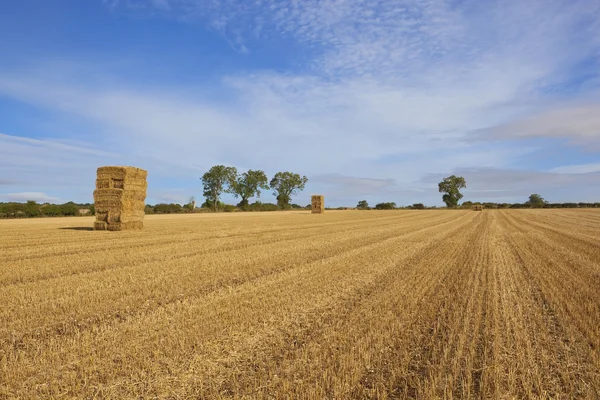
point(579, 123)
point(39, 197)
point(577, 169)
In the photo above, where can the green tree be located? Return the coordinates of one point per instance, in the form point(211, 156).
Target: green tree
point(385, 206)
point(451, 186)
point(32, 209)
point(217, 180)
point(249, 185)
point(362, 205)
point(418, 206)
point(69, 209)
point(467, 204)
point(536, 201)
point(285, 185)
point(52, 210)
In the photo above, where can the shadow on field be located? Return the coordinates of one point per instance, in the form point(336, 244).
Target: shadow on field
point(78, 228)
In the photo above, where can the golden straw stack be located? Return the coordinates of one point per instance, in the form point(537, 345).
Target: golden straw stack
point(317, 204)
point(477, 207)
point(120, 198)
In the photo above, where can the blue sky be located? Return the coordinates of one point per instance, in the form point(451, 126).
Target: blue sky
point(375, 100)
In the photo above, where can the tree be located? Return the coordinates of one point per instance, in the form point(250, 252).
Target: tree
point(418, 206)
point(249, 185)
point(451, 186)
point(69, 208)
point(362, 205)
point(285, 185)
point(385, 206)
point(536, 201)
point(32, 209)
point(217, 180)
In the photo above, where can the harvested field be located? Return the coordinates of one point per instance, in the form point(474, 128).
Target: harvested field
point(349, 304)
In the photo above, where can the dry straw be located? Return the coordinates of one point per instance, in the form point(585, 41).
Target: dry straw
point(317, 204)
point(477, 207)
point(120, 198)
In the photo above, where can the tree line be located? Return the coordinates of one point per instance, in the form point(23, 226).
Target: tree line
point(247, 185)
point(32, 209)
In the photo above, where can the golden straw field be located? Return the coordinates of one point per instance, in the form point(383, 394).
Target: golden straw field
point(430, 304)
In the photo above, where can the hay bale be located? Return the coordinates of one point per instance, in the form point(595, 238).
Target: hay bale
point(477, 207)
point(317, 203)
point(119, 198)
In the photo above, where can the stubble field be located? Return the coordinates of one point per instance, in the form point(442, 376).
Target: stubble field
point(350, 304)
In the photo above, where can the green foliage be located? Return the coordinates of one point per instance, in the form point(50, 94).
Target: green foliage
point(248, 185)
point(536, 201)
point(32, 209)
point(69, 209)
point(210, 205)
point(270, 207)
point(451, 186)
point(51, 210)
point(164, 208)
point(217, 180)
point(385, 206)
point(418, 206)
point(285, 185)
point(256, 206)
point(230, 208)
point(362, 205)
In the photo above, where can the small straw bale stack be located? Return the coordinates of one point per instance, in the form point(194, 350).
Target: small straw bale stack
point(477, 207)
point(317, 204)
point(119, 198)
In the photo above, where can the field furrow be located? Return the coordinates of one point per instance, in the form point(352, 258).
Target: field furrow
point(345, 305)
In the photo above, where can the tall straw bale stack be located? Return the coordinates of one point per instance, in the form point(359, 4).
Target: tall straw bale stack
point(317, 203)
point(477, 207)
point(120, 198)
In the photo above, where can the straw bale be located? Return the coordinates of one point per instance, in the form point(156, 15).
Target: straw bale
point(100, 226)
point(119, 198)
point(317, 204)
point(477, 207)
point(125, 226)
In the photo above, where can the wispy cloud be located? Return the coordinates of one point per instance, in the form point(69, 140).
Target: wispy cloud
point(427, 65)
point(578, 123)
point(577, 169)
point(415, 38)
point(40, 197)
